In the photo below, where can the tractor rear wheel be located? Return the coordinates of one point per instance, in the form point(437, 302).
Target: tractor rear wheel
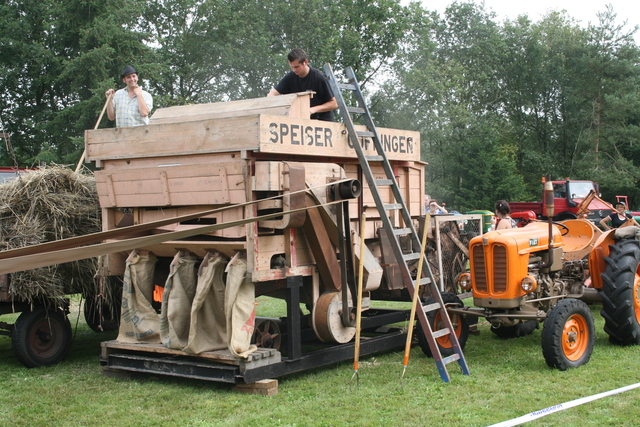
point(460, 326)
point(520, 330)
point(621, 293)
point(41, 337)
point(568, 335)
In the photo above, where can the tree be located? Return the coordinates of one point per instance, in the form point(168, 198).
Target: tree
point(445, 85)
point(56, 59)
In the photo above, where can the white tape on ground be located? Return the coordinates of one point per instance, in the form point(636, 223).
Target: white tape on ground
point(562, 406)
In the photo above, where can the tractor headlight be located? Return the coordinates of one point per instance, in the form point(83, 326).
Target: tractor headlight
point(464, 281)
point(529, 284)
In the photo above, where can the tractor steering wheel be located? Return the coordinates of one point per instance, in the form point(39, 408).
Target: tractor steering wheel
point(564, 230)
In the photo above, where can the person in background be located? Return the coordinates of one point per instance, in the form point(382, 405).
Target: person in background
point(619, 218)
point(435, 208)
point(304, 78)
point(503, 220)
point(131, 105)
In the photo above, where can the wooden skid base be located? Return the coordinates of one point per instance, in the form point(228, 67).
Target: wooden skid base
point(219, 365)
point(262, 387)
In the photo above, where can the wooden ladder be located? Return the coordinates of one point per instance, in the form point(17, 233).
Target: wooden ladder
point(393, 233)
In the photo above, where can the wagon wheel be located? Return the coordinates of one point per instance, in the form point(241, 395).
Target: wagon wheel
point(101, 316)
point(41, 337)
point(267, 334)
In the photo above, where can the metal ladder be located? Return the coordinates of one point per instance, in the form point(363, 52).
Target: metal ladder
point(394, 233)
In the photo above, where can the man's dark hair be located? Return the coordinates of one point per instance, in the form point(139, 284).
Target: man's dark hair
point(297, 54)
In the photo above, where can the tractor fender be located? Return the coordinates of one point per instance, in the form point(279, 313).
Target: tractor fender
point(600, 251)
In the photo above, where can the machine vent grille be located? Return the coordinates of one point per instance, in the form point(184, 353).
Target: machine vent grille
point(499, 268)
point(480, 279)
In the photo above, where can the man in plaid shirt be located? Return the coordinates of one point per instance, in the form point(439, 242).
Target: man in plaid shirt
point(131, 105)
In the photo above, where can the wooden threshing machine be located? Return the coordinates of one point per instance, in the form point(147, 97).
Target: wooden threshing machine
point(227, 202)
point(238, 156)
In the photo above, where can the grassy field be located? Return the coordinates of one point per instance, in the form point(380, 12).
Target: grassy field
point(509, 378)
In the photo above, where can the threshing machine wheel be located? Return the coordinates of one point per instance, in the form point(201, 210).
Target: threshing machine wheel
point(460, 326)
point(267, 334)
point(621, 293)
point(327, 319)
point(41, 337)
point(568, 334)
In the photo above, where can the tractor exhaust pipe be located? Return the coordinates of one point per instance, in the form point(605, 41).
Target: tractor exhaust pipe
point(550, 210)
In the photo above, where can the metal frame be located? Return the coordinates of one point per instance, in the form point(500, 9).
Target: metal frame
point(439, 219)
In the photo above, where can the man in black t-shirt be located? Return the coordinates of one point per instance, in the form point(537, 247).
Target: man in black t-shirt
point(302, 78)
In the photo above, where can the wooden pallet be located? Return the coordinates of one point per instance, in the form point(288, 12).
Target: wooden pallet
point(117, 357)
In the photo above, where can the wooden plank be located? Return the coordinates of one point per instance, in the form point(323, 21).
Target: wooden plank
point(293, 105)
point(108, 347)
point(263, 387)
point(173, 139)
point(165, 187)
point(224, 185)
point(323, 250)
point(111, 194)
point(194, 159)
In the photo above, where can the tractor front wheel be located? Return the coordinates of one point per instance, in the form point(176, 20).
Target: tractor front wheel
point(568, 335)
point(621, 293)
point(41, 337)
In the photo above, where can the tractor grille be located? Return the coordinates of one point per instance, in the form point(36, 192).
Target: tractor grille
point(499, 268)
point(480, 279)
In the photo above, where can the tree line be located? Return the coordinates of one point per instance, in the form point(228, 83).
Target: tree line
point(499, 104)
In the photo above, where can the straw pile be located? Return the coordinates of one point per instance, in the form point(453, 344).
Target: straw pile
point(44, 205)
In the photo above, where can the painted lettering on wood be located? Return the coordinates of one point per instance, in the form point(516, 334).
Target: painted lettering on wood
point(311, 137)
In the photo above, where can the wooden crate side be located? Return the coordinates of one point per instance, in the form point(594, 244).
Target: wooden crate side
point(173, 139)
point(179, 185)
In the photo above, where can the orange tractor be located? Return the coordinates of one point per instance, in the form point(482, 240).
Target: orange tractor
point(541, 273)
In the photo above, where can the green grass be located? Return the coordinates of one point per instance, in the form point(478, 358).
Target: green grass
point(509, 378)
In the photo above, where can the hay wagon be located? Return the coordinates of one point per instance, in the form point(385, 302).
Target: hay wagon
point(40, 205)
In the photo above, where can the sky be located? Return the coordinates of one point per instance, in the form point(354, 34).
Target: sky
point(582, 10)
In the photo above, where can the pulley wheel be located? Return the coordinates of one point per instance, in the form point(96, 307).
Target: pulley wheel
point(327, 319)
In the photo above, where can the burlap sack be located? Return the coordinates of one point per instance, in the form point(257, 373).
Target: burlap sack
point(179, 290)
point(139, 322)
point(240, 309)
point(208, 328)
point(630, 232)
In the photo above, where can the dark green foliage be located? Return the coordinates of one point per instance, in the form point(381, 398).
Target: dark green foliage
point(498, 104)
point(501, 105)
